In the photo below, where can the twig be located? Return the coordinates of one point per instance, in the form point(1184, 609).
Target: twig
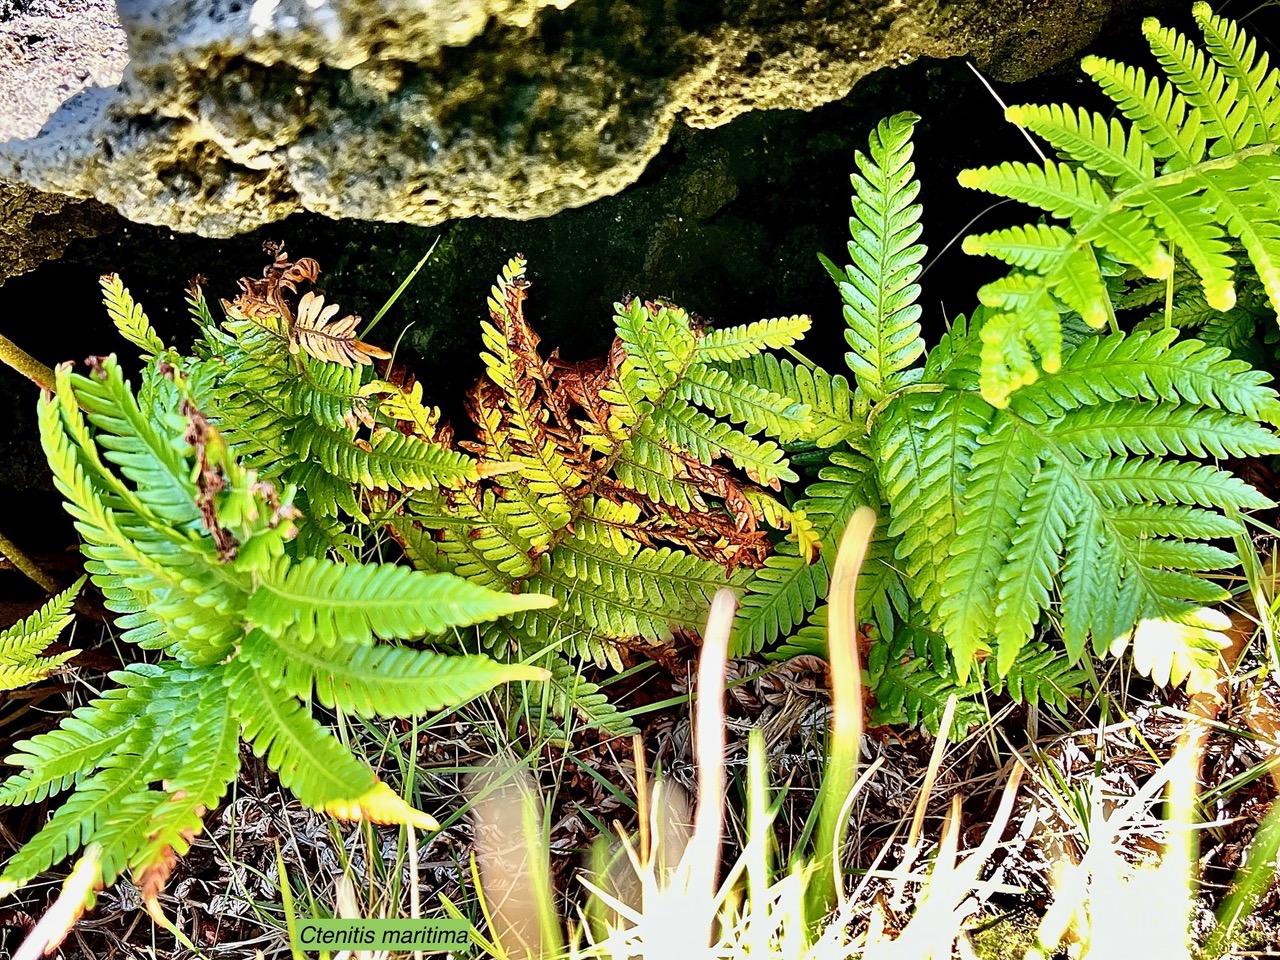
point(14, 356)
point(13, 553)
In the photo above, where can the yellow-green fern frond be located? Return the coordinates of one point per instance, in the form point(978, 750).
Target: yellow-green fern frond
point(23, 645)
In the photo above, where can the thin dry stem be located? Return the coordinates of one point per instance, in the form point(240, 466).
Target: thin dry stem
point(14, 356)
point(24, 564)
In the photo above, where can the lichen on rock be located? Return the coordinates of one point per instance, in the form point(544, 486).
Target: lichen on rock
point(233, 114)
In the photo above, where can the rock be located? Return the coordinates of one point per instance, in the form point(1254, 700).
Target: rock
point(48, 52)
point(233, 114)
point(35, 226)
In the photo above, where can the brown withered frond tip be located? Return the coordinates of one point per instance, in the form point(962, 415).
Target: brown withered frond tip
point(316, 331)
point(276, 303)
point(210, 480)
point(547, 407)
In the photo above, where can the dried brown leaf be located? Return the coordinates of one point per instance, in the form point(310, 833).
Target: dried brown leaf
point(332, 341)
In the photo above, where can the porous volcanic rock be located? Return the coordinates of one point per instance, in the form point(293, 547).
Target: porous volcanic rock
point(235, 113)
point(49, 51)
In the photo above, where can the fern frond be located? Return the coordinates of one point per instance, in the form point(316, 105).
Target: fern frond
point(727, 344)
point(189, 547)
point(1238, 56)
point(643, 592)
point(1173, 650)
point(878, 287)
point(128, 317)
point(926, 448)
point(203, 744)
point(828, 397)
point(312, 765)
point(1172, 127)
point(485, 542)
point(1069, 484)
point(911, 689)
point(53, 761)
point(1196, 171)
point(707, 438)
point(1066, 192)
point(387, 460)
point(1107, 146)
point(1227, 120)
point(789, 587)
point(658, 342)
point(116, 794)
point(1152, 366)
point(567, 693)
point(760, 410)
point(22, 644)
point(1038, 674)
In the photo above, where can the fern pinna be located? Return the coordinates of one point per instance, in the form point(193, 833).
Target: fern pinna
point(1190, 179)
point(193, 550)
point(1076, 504)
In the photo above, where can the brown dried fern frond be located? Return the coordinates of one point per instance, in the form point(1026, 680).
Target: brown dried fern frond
point(333, 341)
point(276, 303)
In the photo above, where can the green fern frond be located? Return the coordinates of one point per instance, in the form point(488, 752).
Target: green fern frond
point(51, 762)
point(707, 438)
point(1228, 122)
point(1239, 58)
point(1067, 487)
point(22, 644)
point(790, 586)
point(117, 792)
point(926, 449)
point(740, 400)
point(727, 344)
point(1038, 675)
point(911, 689)
point(378, 681)
point(828, 397)
point(1081, 450)
point(210, 760)
point(1193, 171)
point(329, 602)
point(641, 592)
point(567, 693)
point(879, 287)
point(189, 547)
point(310, 762)
point(129, 318)
point(387, 460)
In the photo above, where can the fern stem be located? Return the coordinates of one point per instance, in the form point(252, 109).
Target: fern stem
point(1112, 323)
point(13, 553)
point(800, 357)
point(880, 407)
point(14, 356)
